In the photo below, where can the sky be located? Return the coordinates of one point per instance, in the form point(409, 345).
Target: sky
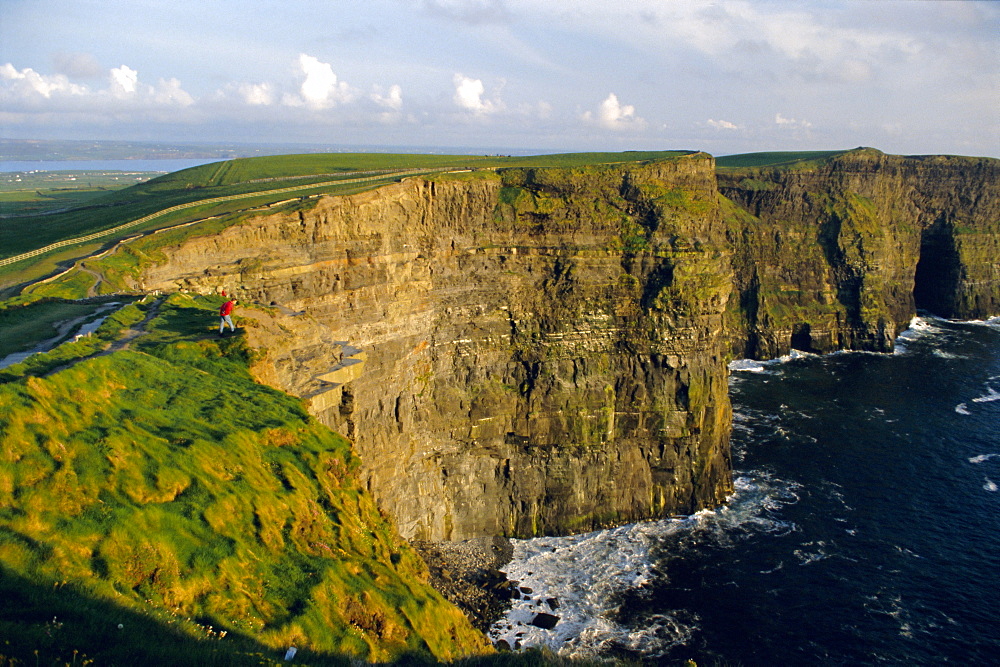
point(730, 76)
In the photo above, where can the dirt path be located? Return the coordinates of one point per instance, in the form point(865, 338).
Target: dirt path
point(133, 332)
point(98, 279)
point(122, 343)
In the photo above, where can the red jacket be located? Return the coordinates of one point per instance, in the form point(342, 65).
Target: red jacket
point(227, 308)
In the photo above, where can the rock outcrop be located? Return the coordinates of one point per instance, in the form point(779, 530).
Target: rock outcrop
point(533, 351)
point(839, 255)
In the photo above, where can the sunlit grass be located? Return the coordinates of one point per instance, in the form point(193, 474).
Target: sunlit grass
point(164, 483)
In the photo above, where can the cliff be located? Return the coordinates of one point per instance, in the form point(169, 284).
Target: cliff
point(533, 351)
point(544, 350)
point(840, 254)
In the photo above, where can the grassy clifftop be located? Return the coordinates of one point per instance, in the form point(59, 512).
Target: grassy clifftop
point(159, 487)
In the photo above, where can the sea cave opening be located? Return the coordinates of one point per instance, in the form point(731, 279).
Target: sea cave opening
point(935, 281)
point(802, 338)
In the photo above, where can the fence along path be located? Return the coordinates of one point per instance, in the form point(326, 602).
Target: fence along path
point(202, 202)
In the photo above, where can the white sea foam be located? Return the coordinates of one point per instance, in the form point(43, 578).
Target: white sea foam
point(767, 365)
point(990, 395)
point(747, 365)
point(982, 457)
point(816, 552)
point(587, 574)
point(993, 322)
point(919, 327)
point(923, 326)
point(990, 485)
point(583, 573)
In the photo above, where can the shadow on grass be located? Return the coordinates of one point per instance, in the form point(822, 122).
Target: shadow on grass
point(46, 625)
point(60, 625)
point(178, 321)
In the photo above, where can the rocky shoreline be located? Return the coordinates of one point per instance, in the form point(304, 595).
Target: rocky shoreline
point(467, 573)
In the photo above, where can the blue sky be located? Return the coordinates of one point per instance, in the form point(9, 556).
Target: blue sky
point(910, 76)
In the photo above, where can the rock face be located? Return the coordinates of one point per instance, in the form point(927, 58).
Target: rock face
point(839, 255)
point(544, 350)
point(534, 351)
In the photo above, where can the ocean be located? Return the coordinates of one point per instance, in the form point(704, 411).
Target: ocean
point(864, 529)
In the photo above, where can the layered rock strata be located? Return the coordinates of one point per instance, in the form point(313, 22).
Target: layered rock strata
point(839, 255)
point(515, 353)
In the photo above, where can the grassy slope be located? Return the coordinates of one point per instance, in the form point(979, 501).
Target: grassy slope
point(161, 488)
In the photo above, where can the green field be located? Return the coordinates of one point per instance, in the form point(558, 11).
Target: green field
point(37, 193)
point(773, 159)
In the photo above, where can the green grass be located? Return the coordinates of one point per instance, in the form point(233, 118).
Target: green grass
point(33, 193)
point(773, 159)
point(283, 166)
point(162, 485)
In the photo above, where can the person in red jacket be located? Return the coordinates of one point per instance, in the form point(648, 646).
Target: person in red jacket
point(226, 316)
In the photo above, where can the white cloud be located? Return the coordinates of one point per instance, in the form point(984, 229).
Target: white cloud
point(469, 95)
point(124, 80)
point(29, 83)
point(321, 88)
point(168, 92)
point(613, 115)
point(854, 71)
point(77, 65)
point(722, 124)
point(393, 100)
point(256, 94)
point(790, 122)
point(29, 88)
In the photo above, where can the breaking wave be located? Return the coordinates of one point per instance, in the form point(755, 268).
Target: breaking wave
point(579, 581)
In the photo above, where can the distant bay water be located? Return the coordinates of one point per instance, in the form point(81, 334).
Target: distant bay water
point(162, 165)
point(864, 529)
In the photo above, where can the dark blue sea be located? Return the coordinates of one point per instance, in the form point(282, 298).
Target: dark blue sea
point(865, 526)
